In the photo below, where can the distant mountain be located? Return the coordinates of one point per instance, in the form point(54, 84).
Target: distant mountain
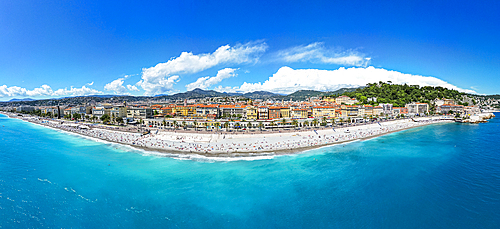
point(195, 94)
point(21, 100)
point(344, 90)
point(261, 95)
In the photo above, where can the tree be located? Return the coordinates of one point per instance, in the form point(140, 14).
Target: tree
point(195, 123)
point(295, 123)
point(175, 124)
point(324, 121)
point(119, 120)
point(105, 118)
point(77, 116)
point(315, 122)
point(283, 122)
point(184, 124)
point(164, 123)
point(261, 125)
point(306, 123)
point(249, 125)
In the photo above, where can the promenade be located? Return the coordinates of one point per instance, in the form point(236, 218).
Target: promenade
point(233, 144)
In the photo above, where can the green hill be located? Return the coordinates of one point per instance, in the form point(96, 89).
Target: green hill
point(400, 95)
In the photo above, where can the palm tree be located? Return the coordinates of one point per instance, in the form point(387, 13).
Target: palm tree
point(283, 122)
point(315, 122)
point(195, 123)
point(324, 120)
point(295, 123)
point(184, 124)
point(226, 125)
point(306, 123)
point(217, 124)
point(175, 124)
point(237, 125)
point(261, 125)
point(164, 123)
point(249, 125)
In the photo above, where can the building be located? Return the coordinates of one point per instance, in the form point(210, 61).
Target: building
point(100, 111)
point(251, 112)
point(439, 102)
point(348, 111)
point(207, 111)
point(470, 110)
point(446, 108)
point(378, 110)
point(119, 111)
point(343, 99)
point(368, 110)
point(417, 108)
point(139, 113)
point(232, 111)
point(299, 113)
point(263, 112)
point(386, 108)
point(399, 111)
point(25, 109)
point(285, 112)
point(323, 111)
point(184, 111)
point(274, 112)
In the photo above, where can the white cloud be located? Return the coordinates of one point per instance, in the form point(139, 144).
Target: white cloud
point(116, 86)
point(45, 90)
point(158, 85)
point(90, 84)
point(205, 82)
point(316, 52)
point(76, 91)
point(287, 80)
point(132, 88)
point(159, 79)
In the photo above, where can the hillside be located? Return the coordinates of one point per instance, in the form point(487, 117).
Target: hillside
point(400, 95)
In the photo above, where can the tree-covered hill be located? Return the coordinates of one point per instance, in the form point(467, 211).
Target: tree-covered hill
point(400, 95)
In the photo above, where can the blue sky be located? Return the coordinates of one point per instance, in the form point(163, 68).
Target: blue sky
point(54, 49)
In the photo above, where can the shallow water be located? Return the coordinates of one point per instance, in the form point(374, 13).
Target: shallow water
point(439, 176)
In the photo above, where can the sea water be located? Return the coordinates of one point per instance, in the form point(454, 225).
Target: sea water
point(437, 176)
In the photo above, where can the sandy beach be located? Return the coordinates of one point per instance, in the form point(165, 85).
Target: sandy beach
point(229, 144)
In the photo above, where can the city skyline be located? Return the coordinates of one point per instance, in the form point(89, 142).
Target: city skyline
point(52, 50)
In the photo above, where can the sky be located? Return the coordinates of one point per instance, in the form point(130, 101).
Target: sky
point(52, 49)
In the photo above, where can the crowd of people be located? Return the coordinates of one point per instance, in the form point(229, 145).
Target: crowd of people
point(226, 143)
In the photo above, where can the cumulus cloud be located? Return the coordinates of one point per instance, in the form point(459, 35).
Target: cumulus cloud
point(132, 88)
point(205, 82)
point(90, 84)
point(45, 90)
point(116, 86)
point(160, 78)
point(287, 80)
point(317, 53)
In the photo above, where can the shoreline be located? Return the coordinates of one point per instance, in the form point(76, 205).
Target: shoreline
point(277, 143)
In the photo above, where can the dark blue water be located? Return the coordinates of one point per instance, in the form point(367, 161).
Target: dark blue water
point(439, 176)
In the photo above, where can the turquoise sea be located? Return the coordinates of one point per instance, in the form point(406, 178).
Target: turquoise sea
point(438, 176)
